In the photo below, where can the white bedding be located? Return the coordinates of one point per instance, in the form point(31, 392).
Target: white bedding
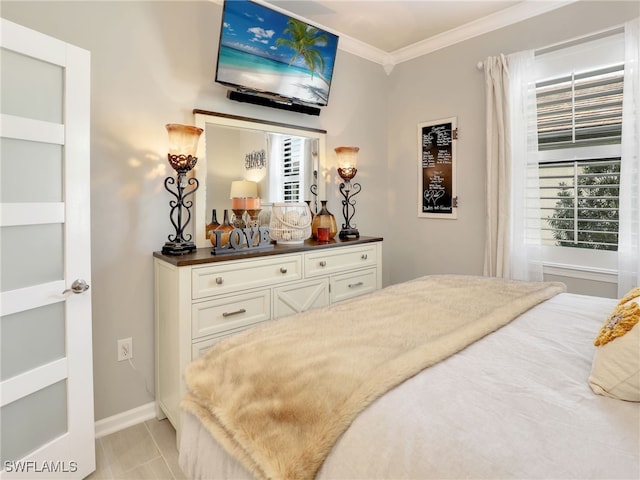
point(515, 404)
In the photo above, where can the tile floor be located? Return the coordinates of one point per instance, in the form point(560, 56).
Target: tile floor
point(141, 452)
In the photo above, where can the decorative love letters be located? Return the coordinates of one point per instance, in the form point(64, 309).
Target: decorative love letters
point(248, 239)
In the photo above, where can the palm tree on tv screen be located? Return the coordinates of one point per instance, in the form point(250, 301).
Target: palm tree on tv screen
point(303, 40)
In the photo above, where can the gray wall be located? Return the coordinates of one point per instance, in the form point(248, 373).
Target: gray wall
point(447, 83)
point(153, 62)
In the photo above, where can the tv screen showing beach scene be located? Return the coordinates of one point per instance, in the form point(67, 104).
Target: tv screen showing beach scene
point(265, 51)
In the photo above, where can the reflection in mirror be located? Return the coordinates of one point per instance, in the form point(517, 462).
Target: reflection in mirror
point(283, 166)
point(285, 161)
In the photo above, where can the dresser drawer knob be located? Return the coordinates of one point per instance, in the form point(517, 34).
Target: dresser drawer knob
point(364, 256)
point(356, 285)
point(323, 263)
point(237, 312)
point(219, 280)
point(283, 269)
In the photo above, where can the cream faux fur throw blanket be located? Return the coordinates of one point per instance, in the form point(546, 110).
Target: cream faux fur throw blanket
point(279, 395)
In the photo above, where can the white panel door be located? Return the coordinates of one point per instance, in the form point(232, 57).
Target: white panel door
point(46, 367)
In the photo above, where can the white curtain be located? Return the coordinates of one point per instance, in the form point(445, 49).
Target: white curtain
point(498, 169)
point(629, 210)
point(512, 242)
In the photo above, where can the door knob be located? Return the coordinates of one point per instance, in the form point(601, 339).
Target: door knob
point(78, 286)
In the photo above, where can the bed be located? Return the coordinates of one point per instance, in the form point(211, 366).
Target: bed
point(512, 400)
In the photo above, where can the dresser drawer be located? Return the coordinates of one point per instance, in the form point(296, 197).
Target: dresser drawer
point(242, 275)
point(200, 347)
point(300, 297)
point(331, 261)
point(349, 285)
point(230, 312)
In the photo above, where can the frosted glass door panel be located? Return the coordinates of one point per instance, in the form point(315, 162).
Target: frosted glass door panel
point(44, 262)
point(34, 420)
point(30, 88)
point(38, 164)
point(31, 338)
point(46, 374)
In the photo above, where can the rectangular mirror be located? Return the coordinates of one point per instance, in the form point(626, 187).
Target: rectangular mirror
point(286, 162)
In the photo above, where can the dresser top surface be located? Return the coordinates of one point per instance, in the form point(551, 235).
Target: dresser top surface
point(206, 255)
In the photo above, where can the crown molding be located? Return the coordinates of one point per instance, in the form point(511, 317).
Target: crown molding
point(366, 51)
point(495, 21)
point(517, 13)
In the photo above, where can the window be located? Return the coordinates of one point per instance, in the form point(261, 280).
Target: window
point(579, 203)
point(292, 152)
point(579, 115)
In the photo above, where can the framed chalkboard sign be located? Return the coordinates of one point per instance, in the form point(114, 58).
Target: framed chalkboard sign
point(437, 168)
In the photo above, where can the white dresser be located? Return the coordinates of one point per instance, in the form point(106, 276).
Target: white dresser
point(201, 298)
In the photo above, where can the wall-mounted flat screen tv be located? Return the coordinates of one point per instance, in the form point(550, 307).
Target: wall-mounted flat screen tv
point(267, 52)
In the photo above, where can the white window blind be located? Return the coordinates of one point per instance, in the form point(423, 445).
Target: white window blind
point(581, 109)
point(579, 130)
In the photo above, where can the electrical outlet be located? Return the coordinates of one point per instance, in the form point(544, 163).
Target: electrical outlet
point(125, 349)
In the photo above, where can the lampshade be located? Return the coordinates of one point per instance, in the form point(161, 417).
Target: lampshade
point(183, 139)
point(347, 162)
point(347, 157)
point(243, 189)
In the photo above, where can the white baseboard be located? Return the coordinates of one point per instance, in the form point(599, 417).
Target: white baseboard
point(125, 419)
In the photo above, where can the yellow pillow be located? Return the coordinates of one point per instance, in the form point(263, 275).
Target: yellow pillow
point(615, 371)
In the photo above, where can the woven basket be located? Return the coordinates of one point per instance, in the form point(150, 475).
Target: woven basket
point(290, 222)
